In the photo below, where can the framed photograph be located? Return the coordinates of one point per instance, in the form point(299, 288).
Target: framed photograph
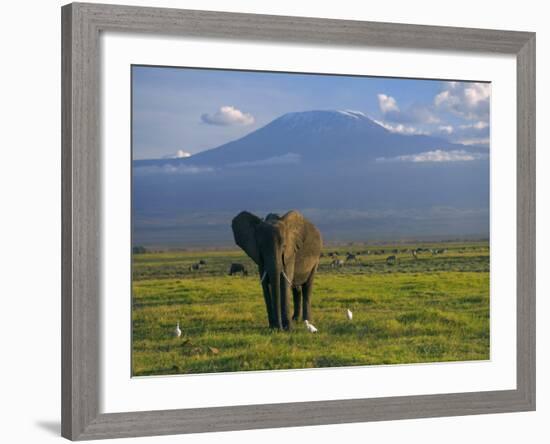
point(279, 221)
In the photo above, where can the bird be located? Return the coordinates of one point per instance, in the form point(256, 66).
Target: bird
point(310, 327)
point(177, 330)
point(349, 314)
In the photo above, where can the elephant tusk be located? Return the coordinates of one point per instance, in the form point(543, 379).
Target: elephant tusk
point(286, 278)
point(284, 275)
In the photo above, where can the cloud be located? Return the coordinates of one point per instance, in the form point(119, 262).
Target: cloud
point(435, 156)
point(415, 114)
point(184, 168)
point(400, 128)
point(420, 114)
point(481, 141)
point(445, 98)
point(228, 115)
point(446, 129)
point(477, 93)
point(171, 169)
point(179, 154)
point(476, 126)
point(476, 133)
point(472, 134)
point(468, 100)
point(387, 104)
point(285, 159)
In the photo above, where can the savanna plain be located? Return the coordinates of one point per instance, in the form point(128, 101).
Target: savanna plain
point(430, 308)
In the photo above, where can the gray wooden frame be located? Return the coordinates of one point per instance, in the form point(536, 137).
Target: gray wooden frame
point(81, 167)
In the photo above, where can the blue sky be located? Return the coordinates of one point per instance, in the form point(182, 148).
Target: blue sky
point(181, 111)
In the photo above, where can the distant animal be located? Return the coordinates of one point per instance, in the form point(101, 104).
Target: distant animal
point(349, 314)
point(310, 327)
point(351, 257)
point(391, 260)
point(415, 254)
point(202, 262)
point(177, 330)
point(195, 266)
point(322, 255)
point(287, 250)
point(337, 263)
point(237, 268)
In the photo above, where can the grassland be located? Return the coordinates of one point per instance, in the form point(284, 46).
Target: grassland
point(431, 309)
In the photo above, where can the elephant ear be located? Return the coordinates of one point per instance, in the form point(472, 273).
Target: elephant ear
point(244, 226)
point(295, 234)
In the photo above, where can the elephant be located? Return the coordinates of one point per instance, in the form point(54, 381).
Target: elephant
point(237, 268)
point(287, 251)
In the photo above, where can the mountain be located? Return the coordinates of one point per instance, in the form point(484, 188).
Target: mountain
point(318, 136)
point(350, 175)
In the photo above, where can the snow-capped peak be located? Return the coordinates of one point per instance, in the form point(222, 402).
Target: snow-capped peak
point(352, 113)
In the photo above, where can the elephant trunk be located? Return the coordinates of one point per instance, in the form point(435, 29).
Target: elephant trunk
point(274, 272)
point(285, 301)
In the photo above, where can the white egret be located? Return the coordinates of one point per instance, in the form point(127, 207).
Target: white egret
point(349, 314)
point(310, 327)
point(177, 331)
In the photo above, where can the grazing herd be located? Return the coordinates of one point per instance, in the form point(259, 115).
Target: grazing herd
point(337, 262)
point(235, 268)
point(392, 259)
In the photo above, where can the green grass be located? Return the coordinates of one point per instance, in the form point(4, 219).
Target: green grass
point(431, 309)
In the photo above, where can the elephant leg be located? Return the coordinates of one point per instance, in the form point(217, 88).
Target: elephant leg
point(307, 290)
point(268, 305)
point(276, 305)
point(285, 304)
point(297, 295)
